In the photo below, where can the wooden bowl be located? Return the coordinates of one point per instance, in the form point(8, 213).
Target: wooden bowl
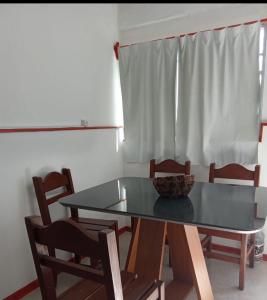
point(174, 186)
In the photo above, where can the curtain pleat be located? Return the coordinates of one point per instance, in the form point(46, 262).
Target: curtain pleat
point(219, 96)
point(148, 78)
point(217, 113)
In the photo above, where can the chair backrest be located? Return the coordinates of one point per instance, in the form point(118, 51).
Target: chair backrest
point(53, 181)
point(69, 236)
point(236, 172)
point(169, 166)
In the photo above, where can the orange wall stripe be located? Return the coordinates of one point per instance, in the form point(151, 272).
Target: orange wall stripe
point(39, 129)
point(23, 291)
point(124, 229)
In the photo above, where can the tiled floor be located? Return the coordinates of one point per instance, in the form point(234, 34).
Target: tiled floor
point(223, 276)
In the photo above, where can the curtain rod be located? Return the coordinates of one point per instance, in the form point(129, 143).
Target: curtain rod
point(117, 44)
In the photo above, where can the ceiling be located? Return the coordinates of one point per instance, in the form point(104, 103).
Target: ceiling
point(137, 15)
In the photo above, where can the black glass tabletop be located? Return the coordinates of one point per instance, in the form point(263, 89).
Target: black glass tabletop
point(230, 207)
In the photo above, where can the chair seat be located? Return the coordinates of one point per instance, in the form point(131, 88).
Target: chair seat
point(134, 288)
point(81, 290)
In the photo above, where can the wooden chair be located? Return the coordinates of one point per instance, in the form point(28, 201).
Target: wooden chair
point(166, 166)
point(169, 166)
point(63, 181)
point(247, 242)
point(105, 284)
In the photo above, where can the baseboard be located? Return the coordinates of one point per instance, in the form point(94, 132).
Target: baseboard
point(124, 229)
point(27, 289)
point(23, 291)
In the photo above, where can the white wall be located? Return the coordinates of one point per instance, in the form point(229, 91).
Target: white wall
point(145, 22)
point(53, 56)
point(57, 67)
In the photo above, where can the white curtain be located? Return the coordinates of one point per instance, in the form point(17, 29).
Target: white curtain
point(219, 96)
point(148, 77)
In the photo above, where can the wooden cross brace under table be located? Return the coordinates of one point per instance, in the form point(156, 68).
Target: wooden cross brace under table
point(146, 251)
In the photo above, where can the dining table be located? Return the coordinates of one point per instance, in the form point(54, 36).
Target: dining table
point(234, 208)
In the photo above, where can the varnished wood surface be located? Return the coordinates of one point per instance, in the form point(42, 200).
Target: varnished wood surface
point(169, 166)
point(188, 262)
point(146, 251)
point(63, 181)
point(147, 248)
point(102, 284)
point(236, 172)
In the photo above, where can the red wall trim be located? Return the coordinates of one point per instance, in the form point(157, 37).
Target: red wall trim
point(34, 284)
point(23, 291)
point(37, 129)
point(124, 229)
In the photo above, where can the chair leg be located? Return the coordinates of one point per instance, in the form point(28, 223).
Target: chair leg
point(209, 245)
point(133, 224)
point(77, 258)
point(52, 252)
point(166, 242)
point(170, 263)
point(116, 229)
point(243, 261)
point(252, 253)
point(94, 262)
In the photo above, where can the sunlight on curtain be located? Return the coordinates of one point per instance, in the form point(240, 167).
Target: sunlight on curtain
point(118, 111)
point(148, 73)
point(219, 101)
point(262, 70)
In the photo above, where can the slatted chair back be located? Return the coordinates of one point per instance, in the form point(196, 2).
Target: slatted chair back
point(169, 166)
point(69, 236)
point(53, 181)
point(247, 241)
point(236, 172)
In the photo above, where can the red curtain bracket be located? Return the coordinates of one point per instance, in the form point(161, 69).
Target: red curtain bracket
point(116, 50)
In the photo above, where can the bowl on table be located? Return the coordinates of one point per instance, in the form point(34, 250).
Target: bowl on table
point(174, 186)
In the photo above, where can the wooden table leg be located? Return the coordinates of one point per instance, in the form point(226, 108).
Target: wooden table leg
point(188, 263)
point(146, 251)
